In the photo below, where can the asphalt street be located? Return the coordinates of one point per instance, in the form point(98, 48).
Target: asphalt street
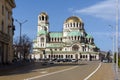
point(78, 72)
point(61, 71)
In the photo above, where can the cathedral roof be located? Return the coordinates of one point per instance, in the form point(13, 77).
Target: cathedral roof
point(73, 19)
point(92, 46)
point(89, 36)
point(74, 33)
point(42, 32)
point(54, 45)
point(56, 34)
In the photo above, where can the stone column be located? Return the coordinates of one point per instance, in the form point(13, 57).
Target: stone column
point(88, 57)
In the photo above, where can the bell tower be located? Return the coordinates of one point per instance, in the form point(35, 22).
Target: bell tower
point(43, 22)
point(43, 30)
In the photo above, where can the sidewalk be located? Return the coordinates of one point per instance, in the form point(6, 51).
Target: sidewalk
point(105, 72)
point(117, 76)
point(13, 65)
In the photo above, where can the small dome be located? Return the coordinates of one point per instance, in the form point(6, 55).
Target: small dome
point(43, 14)
point(73, 19)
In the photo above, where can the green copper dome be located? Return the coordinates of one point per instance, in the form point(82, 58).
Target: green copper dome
point(74, 33)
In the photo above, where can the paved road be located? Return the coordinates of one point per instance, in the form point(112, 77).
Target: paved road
point(78, 72)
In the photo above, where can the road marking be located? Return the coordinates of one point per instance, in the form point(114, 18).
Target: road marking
point(93, 72)
point(51, 73)
point(43, 72)
point(38, 70)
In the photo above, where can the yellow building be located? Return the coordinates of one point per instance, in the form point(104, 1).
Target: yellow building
point(6, 30)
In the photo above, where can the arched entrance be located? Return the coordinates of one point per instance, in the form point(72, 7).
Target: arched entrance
point(75, 48)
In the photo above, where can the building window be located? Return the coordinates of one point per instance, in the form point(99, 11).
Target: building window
point(55, 39)
point(66, 56)
point(55, 49)
point(61, 39)
point(42, 39)
point(61, 56)
point(75, 48)
point(83, 56)
point(80, 56)
point(43, 18)
point(2, 26)
point(74, 24)
point(60, 49)
point(71, 24)
point(9, 15)
point(2, 10)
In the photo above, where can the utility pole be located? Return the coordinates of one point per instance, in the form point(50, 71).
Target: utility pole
point(117, 34)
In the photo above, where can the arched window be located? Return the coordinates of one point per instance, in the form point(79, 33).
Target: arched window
point(74, 24)
point(55, 39)
point(45, 28)
point(61, 56)
point(80, 56)
point(52, 39)
point(83, 56)
point(75, 48)
point(77, 24)
point(42, 17)
point(42, 39)
point(58, 39)
point(72, 37)
point(75, 37)
point(61, 39)
point(71, 24)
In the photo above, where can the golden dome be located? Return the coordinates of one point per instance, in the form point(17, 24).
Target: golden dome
point(73, 19)
point(43, 14)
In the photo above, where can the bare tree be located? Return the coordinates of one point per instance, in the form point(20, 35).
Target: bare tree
point(24, 47)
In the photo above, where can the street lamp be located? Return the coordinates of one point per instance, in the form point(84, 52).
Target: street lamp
point(117, 34)
point(20, 23)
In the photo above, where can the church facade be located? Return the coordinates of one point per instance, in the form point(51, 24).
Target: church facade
point(72, 43)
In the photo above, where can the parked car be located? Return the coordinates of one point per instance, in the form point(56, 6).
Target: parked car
point(74, 60)
point(105, 61)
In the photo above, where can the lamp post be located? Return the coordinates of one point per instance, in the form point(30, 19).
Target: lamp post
point(117, 34)
point(20, 23)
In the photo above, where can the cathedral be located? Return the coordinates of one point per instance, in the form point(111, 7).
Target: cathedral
point(71, 43)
